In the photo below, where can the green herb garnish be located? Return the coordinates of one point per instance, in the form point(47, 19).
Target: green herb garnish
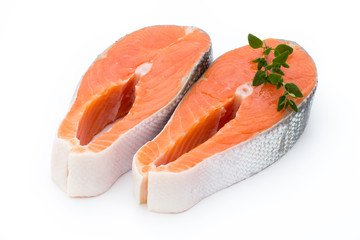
point(272, 74)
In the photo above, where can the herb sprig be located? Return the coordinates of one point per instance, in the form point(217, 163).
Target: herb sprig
point(271, 72)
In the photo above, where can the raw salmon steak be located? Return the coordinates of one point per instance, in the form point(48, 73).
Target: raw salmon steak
point(124, 100)
point(223, 131)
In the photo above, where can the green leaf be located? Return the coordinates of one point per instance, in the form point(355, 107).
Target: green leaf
point(293, 105)
point(267, 51)
point(274, 78)
point(285, 65)
point(277, 70)
point(281, 58)
point(276, 65)
point(254, 41)
point(293, 89)
point(287, 104)
point(256, 60)
point(266, 78)
point(276, 53)
point(283, 48)
point(281, 103)
point(284, 101)
point(259, 78)
point(292, 95)
point(262, 63)
point(268, 67)
point(278, 85)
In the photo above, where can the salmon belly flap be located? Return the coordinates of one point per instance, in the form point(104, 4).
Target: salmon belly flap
point(223, 131)
point(124, 100)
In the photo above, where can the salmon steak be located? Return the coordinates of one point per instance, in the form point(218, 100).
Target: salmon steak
point(223, 131)
point(124, 100)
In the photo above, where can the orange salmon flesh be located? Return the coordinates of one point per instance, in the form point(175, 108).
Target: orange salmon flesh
point(112, 90)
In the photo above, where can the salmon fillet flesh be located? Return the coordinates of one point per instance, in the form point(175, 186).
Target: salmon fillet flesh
point(124, 100)
point(223, 131)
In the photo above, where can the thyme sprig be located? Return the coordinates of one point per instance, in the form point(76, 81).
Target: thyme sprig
point(271, 72)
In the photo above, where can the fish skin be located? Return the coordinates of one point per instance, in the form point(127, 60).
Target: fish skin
point(90, 174)
point(175, 192)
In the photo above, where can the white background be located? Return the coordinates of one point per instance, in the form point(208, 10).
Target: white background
point(311, 193)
